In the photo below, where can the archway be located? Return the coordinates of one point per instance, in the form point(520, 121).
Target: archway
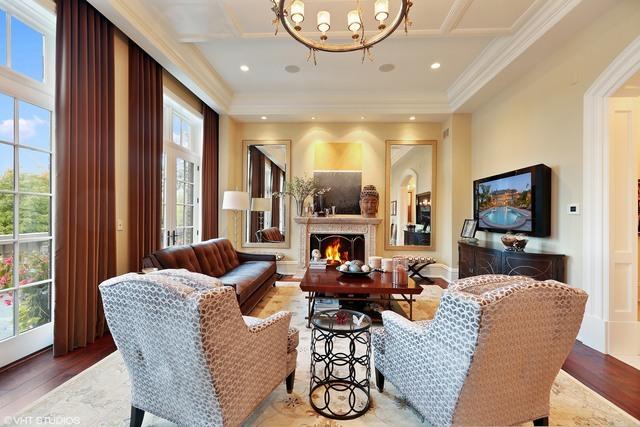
point(608, 324)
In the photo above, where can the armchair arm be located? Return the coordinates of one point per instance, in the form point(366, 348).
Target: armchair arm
point(397, 324)
point(278, 320)
point(244, 257)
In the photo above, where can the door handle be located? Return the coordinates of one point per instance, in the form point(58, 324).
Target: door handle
point(168, 238)
point(174, 235)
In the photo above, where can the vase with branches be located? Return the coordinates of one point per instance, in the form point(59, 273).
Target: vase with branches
point(301, 188)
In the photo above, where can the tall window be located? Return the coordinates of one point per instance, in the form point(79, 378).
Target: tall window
point(26, 192)
point(181, 173)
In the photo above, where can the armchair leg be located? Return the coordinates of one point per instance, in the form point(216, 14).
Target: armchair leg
point(379, 381)
point(544, 421)
point(290, 379)
point(137, 415)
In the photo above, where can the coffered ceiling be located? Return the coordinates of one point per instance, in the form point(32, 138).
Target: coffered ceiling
point(206, 42)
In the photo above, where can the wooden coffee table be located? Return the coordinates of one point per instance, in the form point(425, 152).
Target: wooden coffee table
point(376, 287)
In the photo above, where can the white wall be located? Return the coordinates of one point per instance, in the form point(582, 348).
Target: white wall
point(538, 119)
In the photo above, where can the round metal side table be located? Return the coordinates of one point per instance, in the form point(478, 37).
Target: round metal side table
point(340, 364)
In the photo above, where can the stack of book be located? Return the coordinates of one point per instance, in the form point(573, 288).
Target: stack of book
point(318, 265)
point(323, 304)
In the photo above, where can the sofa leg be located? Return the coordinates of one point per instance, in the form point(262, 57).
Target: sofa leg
point(290, 380)
point(137, 415)
point(379, 381)
point(544, 421)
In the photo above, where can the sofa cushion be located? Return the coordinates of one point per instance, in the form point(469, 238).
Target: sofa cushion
point(228, 254)
point(248, 277)
point(178, 257)
point(210, 258)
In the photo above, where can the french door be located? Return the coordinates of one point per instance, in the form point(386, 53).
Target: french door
point(181, 198)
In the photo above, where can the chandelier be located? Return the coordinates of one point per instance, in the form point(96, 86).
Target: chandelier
point(292, 18)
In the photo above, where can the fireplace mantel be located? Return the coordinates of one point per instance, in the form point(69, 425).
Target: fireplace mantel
point(340, 224)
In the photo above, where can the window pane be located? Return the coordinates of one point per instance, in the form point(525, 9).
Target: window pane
point(189, 172)
point(188, 212)
point(180, 169)
point(188, 235)
point(186, 134)
point(3, 42)
point(34, 171)
point(6, 315)
point(6, 167)
point(179, 215)
point(35, 306)
point(27, 50)
point(6, 118)
point(6, 266)
point(189, 193)
point(34, 214)
point(176, 130)
point(6, 216)
point(35, 262)
point(34, 126)
point(180, 193)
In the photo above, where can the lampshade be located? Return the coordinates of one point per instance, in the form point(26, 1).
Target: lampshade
point(297, 11)
point(324, 21)
point(381, 9)
point(261, 204)
point(235, 201)
point(353, 21)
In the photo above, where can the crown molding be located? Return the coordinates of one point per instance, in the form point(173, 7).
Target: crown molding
point(184, 61)
point(503, 51)
point(277, 104)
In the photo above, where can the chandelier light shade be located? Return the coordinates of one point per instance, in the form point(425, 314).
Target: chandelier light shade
point(353, 21)
point(381, 9)
point(324, 21)
point(297, 12)
point(291, 16)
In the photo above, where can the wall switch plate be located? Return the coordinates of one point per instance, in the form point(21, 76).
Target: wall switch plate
point(119, 225)
point(573, 209)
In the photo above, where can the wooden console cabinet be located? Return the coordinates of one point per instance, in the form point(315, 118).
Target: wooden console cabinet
point(480, 258)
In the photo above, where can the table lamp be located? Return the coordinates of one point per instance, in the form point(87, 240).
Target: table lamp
point(235, 201)
point(261, 205)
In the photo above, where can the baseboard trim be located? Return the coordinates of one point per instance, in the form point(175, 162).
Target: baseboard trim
point(593, 333)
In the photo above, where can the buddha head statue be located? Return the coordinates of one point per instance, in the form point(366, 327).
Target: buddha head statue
point(369, 199)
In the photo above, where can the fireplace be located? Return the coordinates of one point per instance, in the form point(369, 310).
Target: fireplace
point(350, 229)
point(338, 248)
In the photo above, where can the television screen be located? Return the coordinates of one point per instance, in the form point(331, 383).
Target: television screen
point(506, 203)
point(518, 201)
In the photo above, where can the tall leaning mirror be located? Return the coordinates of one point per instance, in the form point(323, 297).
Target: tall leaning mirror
point(410, 195)
point(266, 167)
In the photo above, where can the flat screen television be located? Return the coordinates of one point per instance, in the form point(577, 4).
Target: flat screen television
point(518, 201)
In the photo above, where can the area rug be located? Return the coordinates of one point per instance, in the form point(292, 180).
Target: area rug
point(100, 395)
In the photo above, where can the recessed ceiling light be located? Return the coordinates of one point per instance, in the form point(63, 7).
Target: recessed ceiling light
point(435, 65)
point(244, 68)
point(412, 118)
point(362, 117)
point(263, 117)
point(385, 68)
point(292, 69)
point(313, 118)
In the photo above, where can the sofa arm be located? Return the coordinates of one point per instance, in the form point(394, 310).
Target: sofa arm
point(245, 257)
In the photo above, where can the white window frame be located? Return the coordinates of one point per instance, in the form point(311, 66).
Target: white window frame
point(173, 104)
point(39, 14)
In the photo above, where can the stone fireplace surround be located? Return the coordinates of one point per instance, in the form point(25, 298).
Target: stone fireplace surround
point(339, 224)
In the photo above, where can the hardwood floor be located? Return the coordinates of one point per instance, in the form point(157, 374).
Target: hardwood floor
point(33, 377)
point(25, 382)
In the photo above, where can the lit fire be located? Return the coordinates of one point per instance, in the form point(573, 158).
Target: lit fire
point(334, 254)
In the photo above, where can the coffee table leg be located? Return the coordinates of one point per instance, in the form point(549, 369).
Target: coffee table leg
point(311, 300)
point(410, 307)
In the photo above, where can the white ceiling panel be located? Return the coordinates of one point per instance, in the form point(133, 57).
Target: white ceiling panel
point(483, 14)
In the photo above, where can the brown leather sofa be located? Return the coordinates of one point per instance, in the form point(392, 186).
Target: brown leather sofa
point(270, 235)
point(250, 274)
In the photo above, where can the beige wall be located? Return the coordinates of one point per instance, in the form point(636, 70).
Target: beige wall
point(371, 135)
point(538, 119)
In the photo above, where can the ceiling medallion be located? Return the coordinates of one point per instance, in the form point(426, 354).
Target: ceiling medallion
point(292, 16)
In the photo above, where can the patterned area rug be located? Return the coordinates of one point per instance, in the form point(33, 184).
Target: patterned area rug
point(100, 395)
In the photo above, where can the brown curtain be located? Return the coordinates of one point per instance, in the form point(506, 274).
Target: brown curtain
point(210, 174)
point(257, 162)
point(85, 250)
point(276, 174)
point(145, 155)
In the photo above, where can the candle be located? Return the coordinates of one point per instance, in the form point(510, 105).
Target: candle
point(387, 265)
point(375, 262)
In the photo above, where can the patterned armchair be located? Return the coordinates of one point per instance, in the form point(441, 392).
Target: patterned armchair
point(191, 356)
point(489, 357)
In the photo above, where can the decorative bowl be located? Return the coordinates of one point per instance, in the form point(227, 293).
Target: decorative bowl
point(355, 273)
point(514, 242)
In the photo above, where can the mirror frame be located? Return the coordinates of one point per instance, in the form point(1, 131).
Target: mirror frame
point(387, 192)
point(245, 186)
